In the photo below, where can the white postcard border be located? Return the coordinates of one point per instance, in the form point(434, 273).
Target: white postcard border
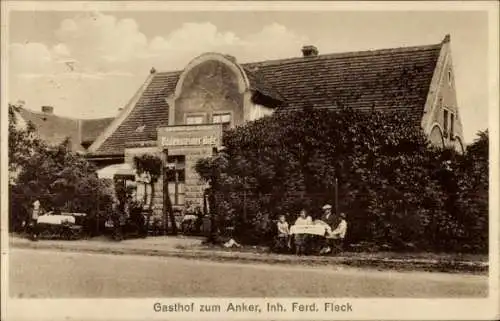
point(134, 309)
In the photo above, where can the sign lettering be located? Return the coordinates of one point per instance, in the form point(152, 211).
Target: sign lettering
point(189, 141)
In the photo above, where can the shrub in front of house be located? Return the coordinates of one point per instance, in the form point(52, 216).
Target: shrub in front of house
point(398, 192)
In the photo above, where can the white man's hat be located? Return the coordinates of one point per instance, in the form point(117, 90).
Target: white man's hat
point(327, 207)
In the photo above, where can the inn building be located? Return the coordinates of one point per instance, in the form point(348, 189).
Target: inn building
point(180, 115)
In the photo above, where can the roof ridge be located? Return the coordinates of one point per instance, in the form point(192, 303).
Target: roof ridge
point(41, 113)
point(169, 72)
point(99, 118)
point(344, 54)
point(348, 54)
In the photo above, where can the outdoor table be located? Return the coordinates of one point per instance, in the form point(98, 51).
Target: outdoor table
point(55, 219)
point(315, 229)
point(313, 235)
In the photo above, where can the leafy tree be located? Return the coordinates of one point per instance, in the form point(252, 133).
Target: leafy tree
point(54, 175)
point(23, 142)
point(472, 192)
point(152, 166)
point(62, 179)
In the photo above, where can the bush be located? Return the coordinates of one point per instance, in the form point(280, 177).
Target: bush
point(397, 191)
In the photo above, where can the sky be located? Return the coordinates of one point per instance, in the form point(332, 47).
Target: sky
point(89, 64)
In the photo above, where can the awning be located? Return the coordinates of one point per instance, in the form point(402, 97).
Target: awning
point(116, 169)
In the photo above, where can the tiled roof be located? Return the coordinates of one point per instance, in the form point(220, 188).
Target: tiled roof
point(55, 129)
point(91, 128)
point(262, 85)
point(151, 111)
point(388, 79)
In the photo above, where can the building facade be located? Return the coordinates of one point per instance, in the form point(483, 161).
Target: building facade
point(180, 115)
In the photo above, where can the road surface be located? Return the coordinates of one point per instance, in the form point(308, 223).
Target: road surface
point(51, 274)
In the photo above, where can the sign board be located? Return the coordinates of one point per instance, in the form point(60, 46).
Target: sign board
point(190, 136)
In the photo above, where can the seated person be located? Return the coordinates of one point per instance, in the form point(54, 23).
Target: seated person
point(337, 236)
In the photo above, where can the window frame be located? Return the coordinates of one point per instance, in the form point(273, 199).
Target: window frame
point(222, 113)
point(446, 115)
point(452, 125)
point(203, 117)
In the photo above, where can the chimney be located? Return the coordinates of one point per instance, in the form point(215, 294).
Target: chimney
point(48, 110)
point(309, 51)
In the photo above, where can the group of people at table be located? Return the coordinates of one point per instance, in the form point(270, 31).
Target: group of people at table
point(329, 230)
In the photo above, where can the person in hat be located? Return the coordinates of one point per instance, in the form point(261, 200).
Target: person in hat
point(328, 216)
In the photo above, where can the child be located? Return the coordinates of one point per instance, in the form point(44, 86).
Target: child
point(283, 234)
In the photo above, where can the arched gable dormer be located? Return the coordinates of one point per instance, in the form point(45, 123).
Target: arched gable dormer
point(212, 88)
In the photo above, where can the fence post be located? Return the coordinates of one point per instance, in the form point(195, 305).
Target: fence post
point(336, 196)
point(98, 214)
point(245, 205)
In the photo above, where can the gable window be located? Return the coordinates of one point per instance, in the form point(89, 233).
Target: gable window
point(449, 77)
point(194, 119)
point(222, 118)
point(445, 122)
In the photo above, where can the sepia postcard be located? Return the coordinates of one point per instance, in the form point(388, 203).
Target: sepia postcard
point(249, 160)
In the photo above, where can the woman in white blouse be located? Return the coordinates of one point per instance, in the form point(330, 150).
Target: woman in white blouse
point(303, 218)
point(300, 239)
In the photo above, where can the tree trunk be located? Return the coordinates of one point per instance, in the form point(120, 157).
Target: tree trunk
point(150, 205)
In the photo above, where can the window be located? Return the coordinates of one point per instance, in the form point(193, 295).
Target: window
point(452, 126)
point(194, 120)
point(445, 122)
point(224, 119)
point(449, 77)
